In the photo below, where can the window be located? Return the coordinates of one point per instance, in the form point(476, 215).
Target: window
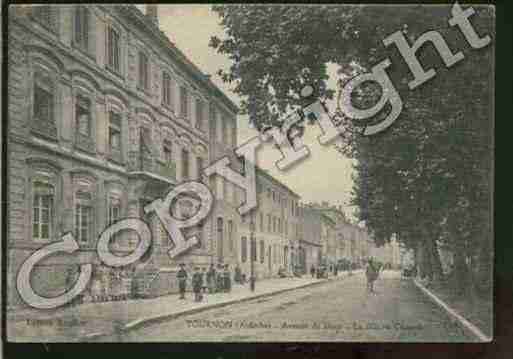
point(268, 193)
point(213, 115)
point(274, 224)
point(199, 236)
point(114, 209)
point(43, 106)
point(83, 116)
point(43, 200)
point(199, 115)
point(279, 225)
point(230, 234)
point(253, 249)
point(83, 216)
point(145, 141)
point(224, 130)
point(184, 99)
point(243, 249)
point(212, 185)
point(115, 135)
point(82, 27)
point(199, 163)
point(113, 50)
point(220, 239)
point(46, 16)
point(168, 153)
point(261, 222)
point(234, 135)
point(225, 188)
point(274, 196)
point(185, 164)
point(143, 71)
point(262, 251)
point(166, 90)
point(269, 223)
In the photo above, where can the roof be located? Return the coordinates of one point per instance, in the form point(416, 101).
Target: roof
point(179, 56)
point(261, 171)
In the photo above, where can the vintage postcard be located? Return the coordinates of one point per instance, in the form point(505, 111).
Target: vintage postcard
point(249, 173)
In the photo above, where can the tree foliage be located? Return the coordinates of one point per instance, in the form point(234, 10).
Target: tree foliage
point(427, 177)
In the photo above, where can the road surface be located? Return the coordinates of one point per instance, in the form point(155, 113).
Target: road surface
point(339, 310)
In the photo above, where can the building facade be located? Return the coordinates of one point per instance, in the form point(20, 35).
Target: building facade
point(105, 115)
point(276, 226)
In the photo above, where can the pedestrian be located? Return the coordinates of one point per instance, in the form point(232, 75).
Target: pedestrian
point(182, 280)
point(211, 279)
point(312, 271)
point(371, 272)
point(197, 284)
point(227, 279)
point(335, 270)
point(238, 275)
point(220, 279)
point(204, 279)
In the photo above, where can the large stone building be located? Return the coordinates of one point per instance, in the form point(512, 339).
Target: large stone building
point(105, 115)
point(276, 226)
point(311, 246)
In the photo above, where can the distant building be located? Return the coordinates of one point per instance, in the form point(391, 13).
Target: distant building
point(276, 228)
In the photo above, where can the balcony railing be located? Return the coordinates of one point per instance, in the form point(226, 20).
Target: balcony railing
point(141, 162)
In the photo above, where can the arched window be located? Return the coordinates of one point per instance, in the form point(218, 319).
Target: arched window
point(43, 107)
point(84, 220)
point(81, 31)
point(85, 138)
point(43, 211)
point(114, 208)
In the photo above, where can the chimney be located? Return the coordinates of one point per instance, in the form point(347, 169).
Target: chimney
point(152, 14)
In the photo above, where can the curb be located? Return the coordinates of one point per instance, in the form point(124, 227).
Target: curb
point(138, 323)
point(142, 322)
point(454, 315)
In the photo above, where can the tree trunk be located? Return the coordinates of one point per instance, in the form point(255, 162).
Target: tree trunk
point(460, 272)
point(436, 263)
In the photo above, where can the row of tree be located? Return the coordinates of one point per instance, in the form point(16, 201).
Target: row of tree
point(428, 177)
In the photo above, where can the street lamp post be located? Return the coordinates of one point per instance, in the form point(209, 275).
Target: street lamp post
point(252, 252)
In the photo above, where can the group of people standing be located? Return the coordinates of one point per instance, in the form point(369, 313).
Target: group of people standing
point(215, 280)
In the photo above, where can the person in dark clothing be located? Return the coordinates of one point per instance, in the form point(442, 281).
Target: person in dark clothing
point(312, 271)
point(371, 272)
point(182, 280)
point(227, 279)
point(238, 275)
point(220, 279)
point(197, 284)
point(204, 279)
point(211, 279)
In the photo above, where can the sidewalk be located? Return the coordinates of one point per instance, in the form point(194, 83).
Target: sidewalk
point(87, 321)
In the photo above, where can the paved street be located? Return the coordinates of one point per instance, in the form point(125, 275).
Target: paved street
point(335, 311)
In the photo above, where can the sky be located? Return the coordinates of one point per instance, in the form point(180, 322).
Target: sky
point(325, 175)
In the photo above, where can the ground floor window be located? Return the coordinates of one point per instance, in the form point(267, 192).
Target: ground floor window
point(42, 211)
point(83, 216)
